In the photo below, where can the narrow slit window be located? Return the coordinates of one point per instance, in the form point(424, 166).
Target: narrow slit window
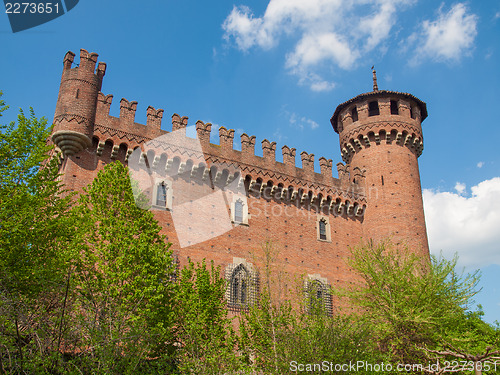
point(373, 108)
point(238, 211)
point(322, 230)
point(161, 195)
point(394, 107)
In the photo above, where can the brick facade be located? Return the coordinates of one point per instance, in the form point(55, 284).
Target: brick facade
point(377, 193)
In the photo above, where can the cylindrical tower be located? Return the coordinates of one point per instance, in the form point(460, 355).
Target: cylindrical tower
point(76, 103)
point(380, 132)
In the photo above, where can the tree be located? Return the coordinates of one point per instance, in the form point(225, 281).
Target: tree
point(122, 280)
point(34, 232)
point(284, 330)
point(207, 341)
point(416, 308)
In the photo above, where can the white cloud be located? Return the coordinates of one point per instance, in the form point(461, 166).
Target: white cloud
point(497, 15)
point(460, 187)
point(467, 225)
point(480, 164)
point(333, 33)
point(300, 122)
point(448, 37)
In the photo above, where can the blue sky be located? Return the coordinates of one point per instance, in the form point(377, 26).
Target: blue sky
point(277, 69)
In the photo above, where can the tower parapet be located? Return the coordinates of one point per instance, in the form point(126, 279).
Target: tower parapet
point(76, 105)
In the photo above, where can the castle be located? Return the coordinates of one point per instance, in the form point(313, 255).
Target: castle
point(311, 218)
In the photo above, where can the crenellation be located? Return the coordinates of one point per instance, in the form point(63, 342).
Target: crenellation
point(269, 151)
point(288, 158)
point(343, 171)
point(179, 123)
point(103, 104)
point(203, 130)
point(68, 60)
point(154, 117)
point(127, 111)
point(101, 70)
point(88, 60)
point(226, 137)
point(325, 166)
point(307, 163)
point(247, 145)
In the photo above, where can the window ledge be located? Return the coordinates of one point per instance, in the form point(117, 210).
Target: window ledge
point(239, 223)
point(319, 239)
point(160, 207)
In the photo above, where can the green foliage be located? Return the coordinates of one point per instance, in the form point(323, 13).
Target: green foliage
point(34, 232)
point(206, 338)
point(122, 303)
point(415, 307)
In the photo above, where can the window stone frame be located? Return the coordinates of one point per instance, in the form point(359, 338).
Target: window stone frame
point(168, 184)
point(328, 228)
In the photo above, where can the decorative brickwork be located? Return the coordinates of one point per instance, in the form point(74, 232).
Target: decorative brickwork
point(377, 193)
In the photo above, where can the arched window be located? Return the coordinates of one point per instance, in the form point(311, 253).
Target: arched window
point(238, 211)
point(318, 297)
point(322, 230)
point(242, 285)
point(354, 114)
point(239, 286)
point(162, 195)
point(373, 108)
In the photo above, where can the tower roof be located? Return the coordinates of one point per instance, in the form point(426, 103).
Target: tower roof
point(378, 93)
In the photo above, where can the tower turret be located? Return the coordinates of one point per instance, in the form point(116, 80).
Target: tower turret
point(76, 103)
point(380, 132)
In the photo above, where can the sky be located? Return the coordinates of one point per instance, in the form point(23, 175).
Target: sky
point(277, 69)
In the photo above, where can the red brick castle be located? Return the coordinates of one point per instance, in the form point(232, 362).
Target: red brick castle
point(311, 218)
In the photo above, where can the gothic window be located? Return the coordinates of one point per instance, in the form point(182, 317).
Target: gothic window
point(239, 285)
point(318, 296)
point(354, 114)
point(323, 228)
point(373, 108)
point(162, 195)
point(394, 107)
point(239, 210)
point(242, 286)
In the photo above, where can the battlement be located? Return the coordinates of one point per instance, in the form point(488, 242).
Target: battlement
point(121, 135)
point(138, 133)
point(87, 64)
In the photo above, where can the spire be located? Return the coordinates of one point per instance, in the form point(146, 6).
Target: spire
point(375, 86)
